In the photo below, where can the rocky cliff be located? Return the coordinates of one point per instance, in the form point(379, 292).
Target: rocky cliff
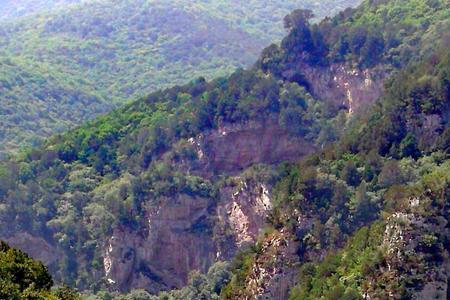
point(181, 233)
point(184, 232)
point(188, 176)
point(342, 85)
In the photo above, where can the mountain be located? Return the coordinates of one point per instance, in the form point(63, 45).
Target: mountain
point(10, 9)
point(65, 62)
point(322, 172)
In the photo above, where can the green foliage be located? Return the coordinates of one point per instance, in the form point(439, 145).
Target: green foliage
point(241, 267)
point(74, 61)
point(78, 186)
point(12, 9)
point(66, 293)
point(350, 174)
point(339, 275)
point(83, 183)
point(20, 275)
point(385, 30)
point(360, 267)
point(380, 164)
point(24, 278)
point(405, 106)
point(391, 33)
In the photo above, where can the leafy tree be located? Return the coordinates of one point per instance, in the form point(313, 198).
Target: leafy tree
point(298, 19)
point(351, 174)
point(66, 293)
point(23, 278)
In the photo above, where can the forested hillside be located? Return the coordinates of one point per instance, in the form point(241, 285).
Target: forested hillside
point(367, 217)
point(322, 172)
point(63, 64)
point(10, 9)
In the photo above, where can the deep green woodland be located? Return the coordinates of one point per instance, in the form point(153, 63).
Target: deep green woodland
point(365, 215)
point(65, 62)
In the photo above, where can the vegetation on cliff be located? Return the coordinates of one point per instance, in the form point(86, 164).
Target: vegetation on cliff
point(380, 194)
point(373, 168)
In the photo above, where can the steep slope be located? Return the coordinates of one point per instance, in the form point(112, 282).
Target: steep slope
point(392, 208)
point(188, 176)
point(98, 54)
point(137, 196)
point(380, 194)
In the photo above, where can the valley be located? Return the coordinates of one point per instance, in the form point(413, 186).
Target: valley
point(66, 62)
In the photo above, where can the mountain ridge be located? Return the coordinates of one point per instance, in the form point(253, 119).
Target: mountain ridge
point(185, 177)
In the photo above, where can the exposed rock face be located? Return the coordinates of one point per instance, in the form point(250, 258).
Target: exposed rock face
point(180, 237)
point(342, 85)
point(410, 237)
point(274, 269)
point(183, 233)
point(234, 147)
point(247, 211)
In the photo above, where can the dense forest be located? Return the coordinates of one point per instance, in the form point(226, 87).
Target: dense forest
point(65, 62)
point(362, 214)
point(10, 9)
point(379, 196)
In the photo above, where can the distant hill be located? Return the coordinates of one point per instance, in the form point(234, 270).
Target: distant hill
point(61, 64)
